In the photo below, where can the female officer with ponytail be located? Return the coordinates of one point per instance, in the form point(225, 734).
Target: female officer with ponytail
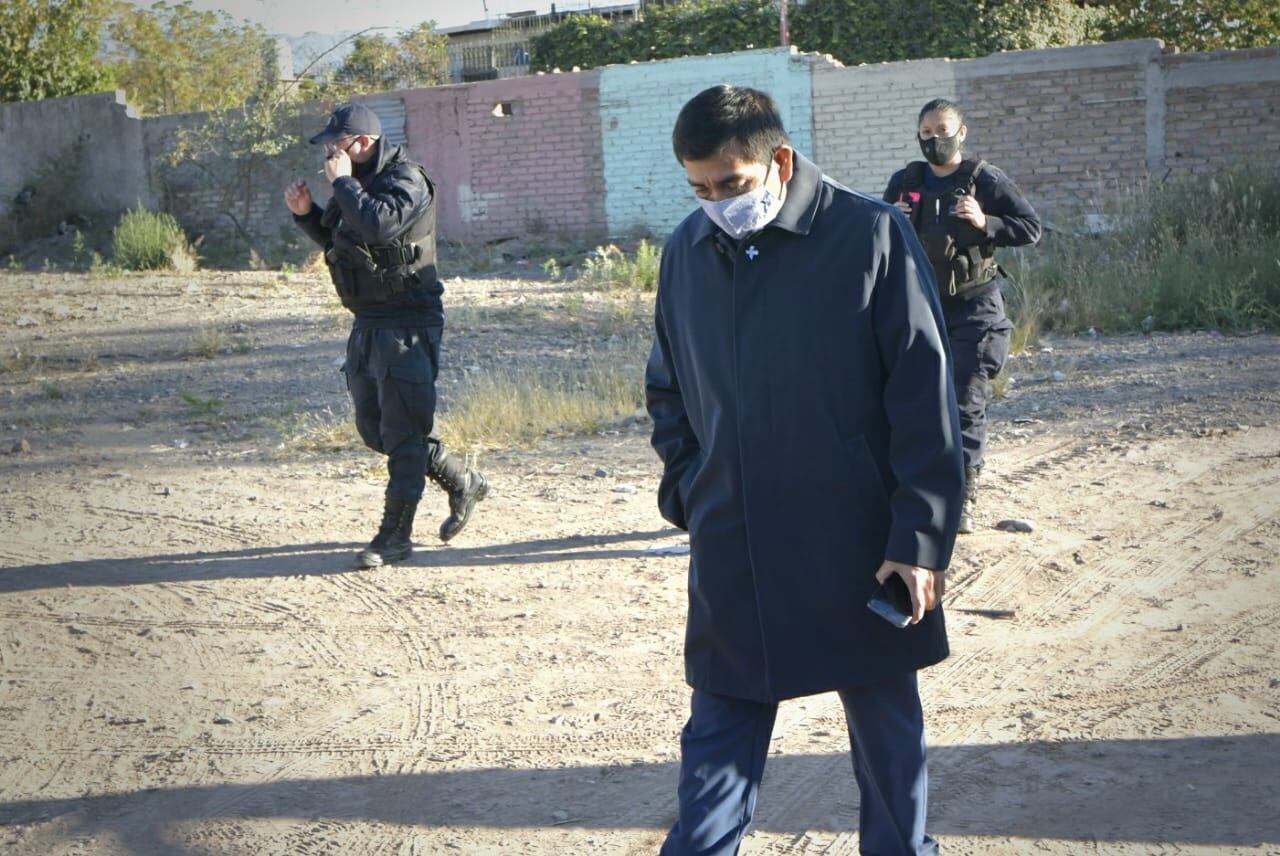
point(963, 208)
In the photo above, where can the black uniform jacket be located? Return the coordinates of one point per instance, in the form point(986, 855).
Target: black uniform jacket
point(384, 197)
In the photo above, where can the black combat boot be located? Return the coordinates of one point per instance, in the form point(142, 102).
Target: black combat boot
point(465, 488)
point(970, 499)
point(392, 543)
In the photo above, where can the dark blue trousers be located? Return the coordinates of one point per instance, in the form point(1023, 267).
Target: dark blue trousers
point(979, 333)
point(391, 376)
point(725, 744)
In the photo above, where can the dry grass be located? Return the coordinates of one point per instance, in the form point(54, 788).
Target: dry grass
point(1000, 385)
point(328, 433)
point(1196, 251)
point(41, 419)
point(314, 263)
point(498, 409)
point(182, 259)
point(207, 343)
point(320, 432)
point(1026, 307)
point(502, 409)
point(473, 318)
point(15, 360)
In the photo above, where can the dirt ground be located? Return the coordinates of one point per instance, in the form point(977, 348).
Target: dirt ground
point(190, 665)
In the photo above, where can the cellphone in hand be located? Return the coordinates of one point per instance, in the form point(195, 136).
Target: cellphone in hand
point(892, 601)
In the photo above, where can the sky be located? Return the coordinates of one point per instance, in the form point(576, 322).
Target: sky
point(296, 17)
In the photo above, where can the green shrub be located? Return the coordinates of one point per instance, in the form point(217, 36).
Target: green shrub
point(610, 267)
point(853, 31)
point(148, 240)
point(1194, 252)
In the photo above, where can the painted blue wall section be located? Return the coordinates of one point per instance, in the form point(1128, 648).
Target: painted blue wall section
point(644, 185)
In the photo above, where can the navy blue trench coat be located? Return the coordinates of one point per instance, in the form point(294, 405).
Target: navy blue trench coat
point(805, 415)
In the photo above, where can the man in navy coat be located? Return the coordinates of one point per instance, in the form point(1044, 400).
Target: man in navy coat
point(805, 415)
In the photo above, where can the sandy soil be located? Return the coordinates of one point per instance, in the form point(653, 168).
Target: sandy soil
point(189, 665)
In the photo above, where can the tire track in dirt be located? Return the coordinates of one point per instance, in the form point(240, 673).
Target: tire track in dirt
point(207, 527)
point(1179, 666)
point(826, 784)
point(377, 733)
point(320, 645)
point(1155, 689)
point(300, 754)
point(988, 586)
point(811, 844)
point(1147, 683)
point(436, 702)
point(135, 624)
point(1088, 602)
point(13, 559)
point(374, 598)
point(1107, 588)
point(1043, 462)
point(985, 587)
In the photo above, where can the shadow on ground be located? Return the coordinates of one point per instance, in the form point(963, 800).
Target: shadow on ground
point(1201, 791)
point(314, 559)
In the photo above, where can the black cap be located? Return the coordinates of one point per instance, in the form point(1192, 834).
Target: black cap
point(350, 120)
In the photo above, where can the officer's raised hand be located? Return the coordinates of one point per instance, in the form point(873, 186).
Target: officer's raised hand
point(298, 197)
point(337, 164)
point(967, 208)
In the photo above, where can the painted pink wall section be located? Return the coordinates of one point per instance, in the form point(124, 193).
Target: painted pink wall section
point(537, 171)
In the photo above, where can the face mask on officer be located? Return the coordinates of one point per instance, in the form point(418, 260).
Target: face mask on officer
point(940, 150)
point(745, 213)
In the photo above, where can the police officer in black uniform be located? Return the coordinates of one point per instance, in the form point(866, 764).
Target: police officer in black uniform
point(963, 208)
point(378, 232)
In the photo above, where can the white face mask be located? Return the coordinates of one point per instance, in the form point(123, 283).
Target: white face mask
point(745, 213)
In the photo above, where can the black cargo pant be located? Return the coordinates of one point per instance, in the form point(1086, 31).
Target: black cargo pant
point(391, 375)
point(979, 331)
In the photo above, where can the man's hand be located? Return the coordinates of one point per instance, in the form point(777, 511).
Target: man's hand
point(903, 206)
point(337, 165)
point(298, 197)
point(967, 208)
point(925, 586)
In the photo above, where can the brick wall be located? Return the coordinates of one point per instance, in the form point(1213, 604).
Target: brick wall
point(234, 211)
point(645, 186)
point(1060, 122)
point(1064, 124)
point(1221, 107)
point(864, 117)
point(81, 157)
point(589, 154)
point(536, 171)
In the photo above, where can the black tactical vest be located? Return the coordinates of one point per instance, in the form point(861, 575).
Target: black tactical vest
point(962, 255)
point(367, 275)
